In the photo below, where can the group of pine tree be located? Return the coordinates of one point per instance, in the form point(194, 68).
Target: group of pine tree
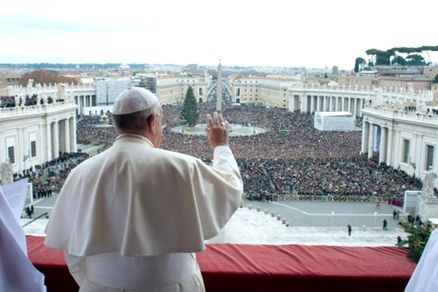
point(395, 56)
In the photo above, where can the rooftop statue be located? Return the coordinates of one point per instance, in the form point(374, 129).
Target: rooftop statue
point(428, 192)
point(6, 173)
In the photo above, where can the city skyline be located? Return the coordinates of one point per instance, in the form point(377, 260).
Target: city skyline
point(314, 33)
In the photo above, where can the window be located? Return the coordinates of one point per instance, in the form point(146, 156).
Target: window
point(429, 156)
point(11, 154)
point(405, 151)
point(33, 149)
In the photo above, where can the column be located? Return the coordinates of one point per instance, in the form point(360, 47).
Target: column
point(382, 148)
point(66, 135)
point(318, 103)
point(312, 104)
point(346, 104)
point(389, 147)
point(73, 142)
point(370, 141)
point(355, 108)
point(55, 140)
point(365, 133)
point(397, 149)
point(292, 103)
point(48, 141)
point(20, 150)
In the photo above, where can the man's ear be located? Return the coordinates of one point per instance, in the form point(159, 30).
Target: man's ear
point(152, 120)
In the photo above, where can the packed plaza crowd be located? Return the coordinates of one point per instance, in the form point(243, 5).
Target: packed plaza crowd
point(49, 177)
point(290, 158)
point(330, 178)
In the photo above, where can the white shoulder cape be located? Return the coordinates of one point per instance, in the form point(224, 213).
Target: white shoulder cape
point(137, 200)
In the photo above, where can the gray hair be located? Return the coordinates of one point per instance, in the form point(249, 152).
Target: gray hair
point(135, 121)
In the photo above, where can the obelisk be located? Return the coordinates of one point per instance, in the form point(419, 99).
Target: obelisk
point(219, 88)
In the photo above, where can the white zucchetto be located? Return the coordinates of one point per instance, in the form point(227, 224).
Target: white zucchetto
point(133, 100)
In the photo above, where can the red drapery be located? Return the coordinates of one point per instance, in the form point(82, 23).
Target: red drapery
point(240, 267)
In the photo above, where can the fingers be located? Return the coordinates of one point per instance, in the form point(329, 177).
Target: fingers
point(216, 121)
point(209, 121)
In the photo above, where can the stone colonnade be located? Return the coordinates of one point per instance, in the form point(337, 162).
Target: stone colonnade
point(84, 101)
point(61, 137)
point(326, 103)
point(369, 133)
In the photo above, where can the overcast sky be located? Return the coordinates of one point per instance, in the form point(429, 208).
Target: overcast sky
point(311, 33)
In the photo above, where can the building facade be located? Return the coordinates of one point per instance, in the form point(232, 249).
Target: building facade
point(402, 138)
point(298, 96)
point(34, 134)
point(173, 89)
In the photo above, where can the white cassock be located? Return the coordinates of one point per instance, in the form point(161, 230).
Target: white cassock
point(131, 217)
point(425, 276)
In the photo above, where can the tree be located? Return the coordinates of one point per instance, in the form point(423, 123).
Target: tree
point(45, 77)
point(189, 112)
point(357, 63)
point(417, 239)
point(398, 60)
point(415, 60)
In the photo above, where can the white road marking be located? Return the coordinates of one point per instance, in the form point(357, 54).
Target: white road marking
point(330, 214)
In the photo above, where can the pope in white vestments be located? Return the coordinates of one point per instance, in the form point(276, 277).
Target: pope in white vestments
point(132, 217)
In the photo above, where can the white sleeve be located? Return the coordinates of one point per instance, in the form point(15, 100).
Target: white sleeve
point(218, 191)
point(223, 159)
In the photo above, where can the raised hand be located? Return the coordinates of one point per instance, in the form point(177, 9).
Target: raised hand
point(217, 130)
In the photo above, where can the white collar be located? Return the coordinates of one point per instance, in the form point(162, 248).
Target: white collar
point(122, 136)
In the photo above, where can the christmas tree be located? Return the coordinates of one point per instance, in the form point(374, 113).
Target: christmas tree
point(190, 113)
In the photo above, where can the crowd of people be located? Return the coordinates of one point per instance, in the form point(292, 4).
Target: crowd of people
point(346, 178)
point(49, 177)
point(292, 157)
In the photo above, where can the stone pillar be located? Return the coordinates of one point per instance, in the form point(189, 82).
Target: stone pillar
point(318, 103)
point(365, 133)
point(355, 108)
point(292, 103)
point(346, 104)
point(73, 142)
point(49, 141)
point(67, 135)
point(304, 104)
point(55, 140)
point(382, 148)
point(370, 141)
point(20, 150)
point(389, 147)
